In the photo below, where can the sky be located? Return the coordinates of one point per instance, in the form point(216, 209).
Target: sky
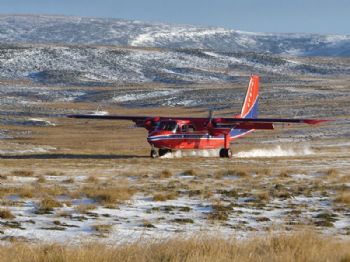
point(301, 16)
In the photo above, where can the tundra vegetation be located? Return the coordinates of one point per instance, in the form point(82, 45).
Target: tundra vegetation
point(283, 196)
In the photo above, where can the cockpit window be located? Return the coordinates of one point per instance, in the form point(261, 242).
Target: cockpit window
point(168, 126)
point(187, 128)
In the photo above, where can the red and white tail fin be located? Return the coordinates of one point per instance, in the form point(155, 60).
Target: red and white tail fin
point(251, 102)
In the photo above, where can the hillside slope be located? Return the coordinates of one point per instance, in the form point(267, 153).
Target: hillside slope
point(79, 30)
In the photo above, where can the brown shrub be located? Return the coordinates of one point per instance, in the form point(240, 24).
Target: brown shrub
point(263, 195)
point(165, 196)
point(332, 172)
point(165, 174)
point(284, 173)
point(264, 172)
point(47, 205)
point(220, 212)
point(239, 172)
point(68, 180)
point(26, 191)
point(102, 229)
point(91, 179)
point(41, 179)
point(343, 198)
point(83, 208)
point(189, 172)
point(22, 173)
point(6, 214)
point(108, 194)
point(54, 173)
point(52, 190)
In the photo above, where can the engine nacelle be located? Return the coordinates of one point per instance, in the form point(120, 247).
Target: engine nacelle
point(150, 124)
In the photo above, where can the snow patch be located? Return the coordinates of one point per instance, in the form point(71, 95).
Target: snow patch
point(42, 121)
point(141, 96)
point(43, 149)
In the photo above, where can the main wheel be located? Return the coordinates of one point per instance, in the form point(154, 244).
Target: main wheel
point(225, 152)
point(154, 153)
point(163, 151)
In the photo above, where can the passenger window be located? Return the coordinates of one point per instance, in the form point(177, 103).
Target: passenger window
point(184, 128)
point(190, 128)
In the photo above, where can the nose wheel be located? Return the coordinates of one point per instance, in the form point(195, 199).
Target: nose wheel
point(154, 153)
point(161, 152)
point(225, 152)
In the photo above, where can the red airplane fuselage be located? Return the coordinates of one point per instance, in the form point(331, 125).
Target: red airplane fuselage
point(187, 134)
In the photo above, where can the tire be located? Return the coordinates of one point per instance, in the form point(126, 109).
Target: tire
point(227, 153)
point(163, 151)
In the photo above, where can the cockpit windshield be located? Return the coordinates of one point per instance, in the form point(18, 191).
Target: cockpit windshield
point(168, 126)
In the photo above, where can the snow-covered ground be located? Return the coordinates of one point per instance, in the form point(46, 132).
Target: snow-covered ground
point(142, 217)
point(97, 31)
point(106, 66)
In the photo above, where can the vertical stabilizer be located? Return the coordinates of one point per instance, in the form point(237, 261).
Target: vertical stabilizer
point(251, 101)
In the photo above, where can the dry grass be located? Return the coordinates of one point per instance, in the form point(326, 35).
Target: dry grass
point(295, 247)
point(52, 190)
point(69, 180)
point(239, 172)
point(22, 173)
point(284, 173)
point(165, 196)
point(83, 208)
point(164, 174)
point(262, 195)
point(332, 172)
point(34, 190)
point(147, 224)
point(6, 214)
point(343, 198)
point(41, 179)
point(54, 173)
point(264, 172)
point(26, 191)
point(102, 229)
point(108, 194)
point(47, 205)
point(220, 212)
point(91, 179)
point(189, 172)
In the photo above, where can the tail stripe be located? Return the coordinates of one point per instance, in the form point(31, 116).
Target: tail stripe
point(250, 105)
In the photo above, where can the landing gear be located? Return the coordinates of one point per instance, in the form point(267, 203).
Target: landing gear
point(225, 152)
point(154, 153)
point(163, 151)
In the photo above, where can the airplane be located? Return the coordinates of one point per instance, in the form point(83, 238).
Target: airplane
point(181, 133)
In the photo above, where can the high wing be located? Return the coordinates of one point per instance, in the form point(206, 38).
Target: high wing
point(227, 123)
point(261, 123)
point(109, 117)
point(140, 121)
